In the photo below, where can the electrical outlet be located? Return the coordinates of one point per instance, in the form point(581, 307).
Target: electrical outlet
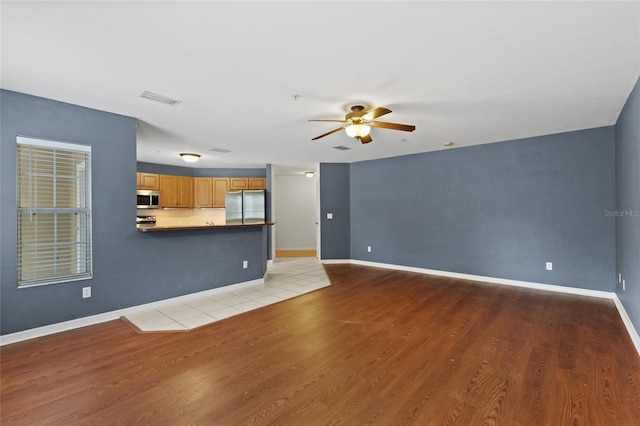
point(549, 266)
point(369, 249)
point(86, 292)
point(624, 286)
point(329, 215)
point(245, 264)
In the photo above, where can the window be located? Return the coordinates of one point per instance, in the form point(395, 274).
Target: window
point(54, 212)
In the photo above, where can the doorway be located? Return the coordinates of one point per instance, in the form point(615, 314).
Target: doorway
point(295, 201)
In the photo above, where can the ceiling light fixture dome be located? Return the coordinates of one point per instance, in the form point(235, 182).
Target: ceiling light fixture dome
point(358, 130)
point(309, 174)
point(190, 157)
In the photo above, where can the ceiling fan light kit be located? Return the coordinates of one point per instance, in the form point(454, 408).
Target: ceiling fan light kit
point(358, 130)
point(359, 121)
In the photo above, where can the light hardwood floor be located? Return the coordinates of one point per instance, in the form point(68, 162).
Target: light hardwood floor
point(376, 347)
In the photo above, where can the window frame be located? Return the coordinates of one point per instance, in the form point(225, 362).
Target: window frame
point(82, 232)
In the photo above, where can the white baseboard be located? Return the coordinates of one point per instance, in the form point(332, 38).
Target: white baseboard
point(20, 336)
point(503, 281)
point(633, 334)
point(336, 261)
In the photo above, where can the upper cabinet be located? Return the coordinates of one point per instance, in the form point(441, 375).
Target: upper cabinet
point(210, 192)
point(176, 191)
point(247, 183)
point(257, 183)
point(203, 192)
point(189, 192)
point(185, 191)
point(149, 181)
point(220, 187)
point(238, 183)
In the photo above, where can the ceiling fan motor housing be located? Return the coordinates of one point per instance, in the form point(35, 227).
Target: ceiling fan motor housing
point(355, 116)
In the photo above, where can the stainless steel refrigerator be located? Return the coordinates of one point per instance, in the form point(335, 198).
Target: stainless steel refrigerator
point(233, 207)
point(245, 206)
point(253, 209)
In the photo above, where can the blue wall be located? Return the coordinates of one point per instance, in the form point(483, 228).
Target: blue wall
point(130, 268)
point(335, 198)
point(498, 210)
point(199, 172)
point(628, 204)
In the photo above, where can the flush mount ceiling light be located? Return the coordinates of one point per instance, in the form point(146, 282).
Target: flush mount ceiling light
point(309, 174)
point(159, 98)
point(190, 157)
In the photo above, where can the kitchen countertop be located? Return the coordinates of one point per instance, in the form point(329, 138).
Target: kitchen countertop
point(156, 228)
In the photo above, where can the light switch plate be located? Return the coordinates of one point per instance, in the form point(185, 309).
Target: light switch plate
point(86, 292)
point(329, 215)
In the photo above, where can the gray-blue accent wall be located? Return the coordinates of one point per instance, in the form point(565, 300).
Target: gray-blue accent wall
point(627, 214)
point(335, 199)
point(199, 171)
point(130, 268)
point(498, 210)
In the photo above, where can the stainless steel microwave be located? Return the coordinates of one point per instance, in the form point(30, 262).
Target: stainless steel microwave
point(148, 199)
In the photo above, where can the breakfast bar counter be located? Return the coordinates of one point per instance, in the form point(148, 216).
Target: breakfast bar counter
point(156, 228)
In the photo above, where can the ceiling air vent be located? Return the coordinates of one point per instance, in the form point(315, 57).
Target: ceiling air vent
point(159, 98)
point(341, 148)
point(220, 150)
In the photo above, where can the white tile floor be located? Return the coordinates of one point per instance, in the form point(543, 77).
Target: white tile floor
point(286, 278)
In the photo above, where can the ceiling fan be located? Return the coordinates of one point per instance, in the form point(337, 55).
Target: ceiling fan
point(359, 121)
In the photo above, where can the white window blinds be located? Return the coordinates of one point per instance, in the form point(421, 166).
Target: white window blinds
point(54, 212)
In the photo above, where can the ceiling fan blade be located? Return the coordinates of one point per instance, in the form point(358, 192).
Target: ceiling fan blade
point(393, 126)
point(328, 133)
point(365, 139)
point(375, 113)
point(332, 121)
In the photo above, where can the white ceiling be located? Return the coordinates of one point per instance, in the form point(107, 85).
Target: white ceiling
point(469, 72)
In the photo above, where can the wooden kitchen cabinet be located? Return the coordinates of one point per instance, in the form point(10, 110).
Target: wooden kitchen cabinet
point(210, 192)
point(238, 183)
point(203, 192)
point(220, 187)
point(176, 191)
point(149, 181)
point(185, 191)
point(247, 183)
point(257, 183)
point(168, 191)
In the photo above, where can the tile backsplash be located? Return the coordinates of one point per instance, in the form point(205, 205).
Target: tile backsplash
point(186, 217)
